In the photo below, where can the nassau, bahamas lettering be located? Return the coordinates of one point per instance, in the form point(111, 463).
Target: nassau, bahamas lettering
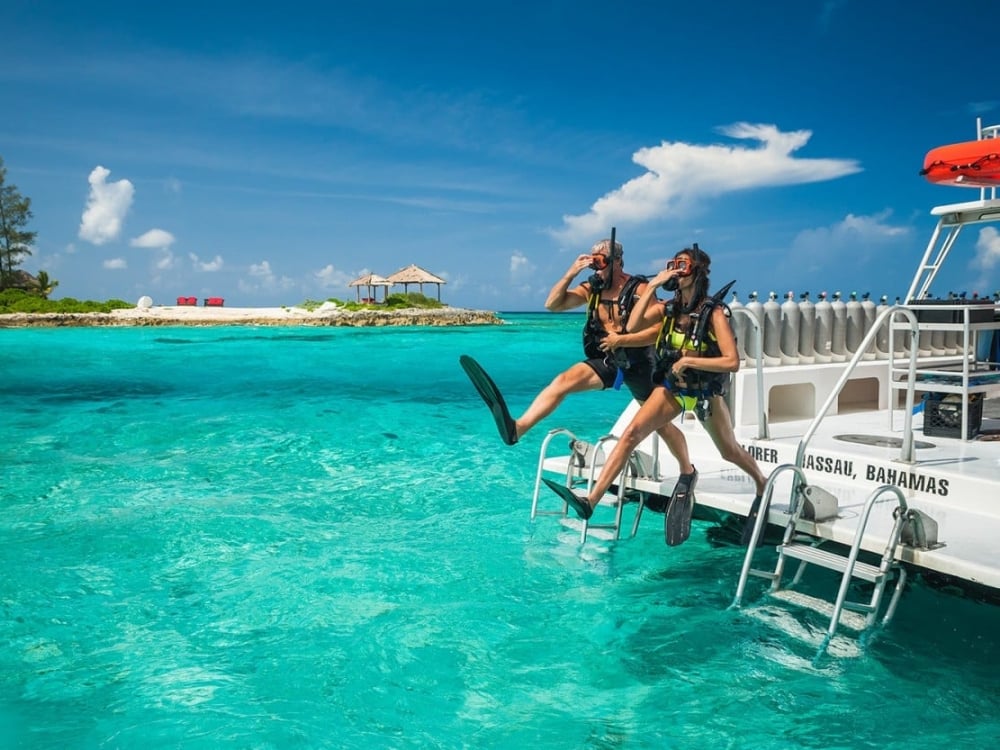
point(907, 480)
point(828, 465)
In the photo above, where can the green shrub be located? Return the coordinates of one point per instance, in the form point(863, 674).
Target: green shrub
point(411, 299)
point(392, 302)
point(19, 301)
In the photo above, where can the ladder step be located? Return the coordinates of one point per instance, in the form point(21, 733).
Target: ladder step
point(852, 620)
point(832, 560)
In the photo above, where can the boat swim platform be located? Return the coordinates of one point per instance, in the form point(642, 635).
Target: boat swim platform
point(954, 482)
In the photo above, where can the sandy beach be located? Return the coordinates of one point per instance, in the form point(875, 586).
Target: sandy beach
point(177, 315)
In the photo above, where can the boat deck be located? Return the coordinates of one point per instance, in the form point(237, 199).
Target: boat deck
point(952, 481)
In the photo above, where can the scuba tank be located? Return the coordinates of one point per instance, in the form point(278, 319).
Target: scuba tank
point(953, 340)
point(807, 330)
point(902, 340)
point(824, 329)
point(855, 325)
point(937, 336)
point(868, 310)
point(882, 337)
point(755, 308)
point(772, 331)
point(741, 327)
point(838, 333)
point(790, 322)
point(924, 343)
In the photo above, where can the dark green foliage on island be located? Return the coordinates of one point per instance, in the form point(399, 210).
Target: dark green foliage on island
point(407, 301)
point(20, 301)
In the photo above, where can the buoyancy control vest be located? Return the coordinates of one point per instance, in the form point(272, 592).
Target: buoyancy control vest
point(672, 342)
point(593, 329)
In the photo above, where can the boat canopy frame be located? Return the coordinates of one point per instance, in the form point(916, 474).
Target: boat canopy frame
point(953, 218)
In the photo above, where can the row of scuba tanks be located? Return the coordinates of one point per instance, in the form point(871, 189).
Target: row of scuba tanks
point(829, 330)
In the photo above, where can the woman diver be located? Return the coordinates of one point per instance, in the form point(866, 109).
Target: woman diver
point(695, 353)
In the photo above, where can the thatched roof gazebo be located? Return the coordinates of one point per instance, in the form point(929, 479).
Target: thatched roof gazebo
point(415, 275)
point(372, 281)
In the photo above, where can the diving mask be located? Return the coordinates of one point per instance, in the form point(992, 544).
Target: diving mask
point(683, 266)
point(598, 261)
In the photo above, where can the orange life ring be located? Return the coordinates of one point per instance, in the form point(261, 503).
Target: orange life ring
point(973, 164)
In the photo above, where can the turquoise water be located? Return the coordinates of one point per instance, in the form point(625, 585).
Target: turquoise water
point(313, 538)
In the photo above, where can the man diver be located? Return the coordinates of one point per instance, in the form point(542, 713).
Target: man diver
point(612, 354)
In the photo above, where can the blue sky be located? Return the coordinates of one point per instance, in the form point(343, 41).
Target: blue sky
point(270, 154)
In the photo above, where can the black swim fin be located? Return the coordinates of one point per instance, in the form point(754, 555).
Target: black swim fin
point(677, 523)
point(491, 395)
point(577, 503)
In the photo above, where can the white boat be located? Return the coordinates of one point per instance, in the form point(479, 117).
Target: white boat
point(858, 482)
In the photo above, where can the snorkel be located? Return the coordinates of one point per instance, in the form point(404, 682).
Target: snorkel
point(596, 281)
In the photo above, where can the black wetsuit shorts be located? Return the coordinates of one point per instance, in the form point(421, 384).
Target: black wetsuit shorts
point(638, 376)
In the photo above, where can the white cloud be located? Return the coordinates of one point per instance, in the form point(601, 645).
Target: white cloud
point(680, 175)
point(154, 238)
point(821, 250)
point(172, 185)
point(264, 279)
point(261, 270)
point(166, 261)
point(521, 269)
point(987, 249)
point(107, 206)
point(115, 264)
point(455, 283)
point(852, 234)
point(208, 265)
point(330, 278)
point(983, 107)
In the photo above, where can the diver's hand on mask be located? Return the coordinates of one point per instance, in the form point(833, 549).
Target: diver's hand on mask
point(663, 277)
point(581, 262)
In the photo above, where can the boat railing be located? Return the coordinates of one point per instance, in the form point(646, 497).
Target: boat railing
point(763, 432)
point(884, 318)
point(987, 131)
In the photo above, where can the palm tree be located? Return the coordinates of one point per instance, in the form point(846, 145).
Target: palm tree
point(45, 284)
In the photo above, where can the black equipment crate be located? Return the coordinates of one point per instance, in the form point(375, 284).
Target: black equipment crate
point(929, 310)
point(944, 418)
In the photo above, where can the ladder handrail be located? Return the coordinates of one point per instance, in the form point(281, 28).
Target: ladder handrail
point(887, 556)
point(761, 522)
point(591, 473)
point(541, 460)
point(763, 432)
point(907, 452)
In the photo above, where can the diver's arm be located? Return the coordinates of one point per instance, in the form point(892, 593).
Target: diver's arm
point(561, 297)
point(644, 314)
point(728, 359)
point(644, 337)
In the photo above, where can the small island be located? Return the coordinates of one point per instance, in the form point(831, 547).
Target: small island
point(325, 315)
point(25, 298)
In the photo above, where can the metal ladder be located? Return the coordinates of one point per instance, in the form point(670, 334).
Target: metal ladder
point(816, 505)
point(581, 471)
